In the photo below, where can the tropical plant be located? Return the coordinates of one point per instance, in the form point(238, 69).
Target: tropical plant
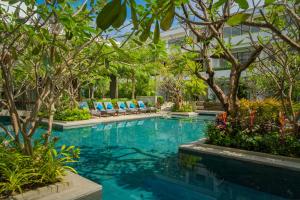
point(74, 114)
point(19, 172)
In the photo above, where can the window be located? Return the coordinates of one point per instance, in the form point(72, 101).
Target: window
point(255, 29)
point(236, 30)
point(227, 31)
point(239, 30)
point(176, 41)
point(242, 56)
point(245, 29)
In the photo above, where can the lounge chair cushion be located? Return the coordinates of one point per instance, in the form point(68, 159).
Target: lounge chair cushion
point(142, 105)
point(83, 105)
point(109, 106)
point(122, 105)
point(99, 106)
point(131, 105)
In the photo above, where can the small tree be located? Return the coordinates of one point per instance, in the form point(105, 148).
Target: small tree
point(280, 69)
point(43, 45)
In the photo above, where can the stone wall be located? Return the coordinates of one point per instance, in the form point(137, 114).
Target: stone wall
point(145, 99)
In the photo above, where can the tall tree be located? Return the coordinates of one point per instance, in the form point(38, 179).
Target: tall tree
point(46, 42)
point(206, 20)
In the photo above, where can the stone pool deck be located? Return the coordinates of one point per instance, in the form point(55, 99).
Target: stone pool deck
point(73, 187)
point(61, 125)
point(200, 148)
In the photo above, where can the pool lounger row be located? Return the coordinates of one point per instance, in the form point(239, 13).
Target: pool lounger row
point(107, 108)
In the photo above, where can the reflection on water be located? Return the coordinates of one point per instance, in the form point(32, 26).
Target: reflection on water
point(232, 179)
point(139, 160)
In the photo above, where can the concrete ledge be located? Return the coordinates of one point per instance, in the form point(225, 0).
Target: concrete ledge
point(73, 187)
point(284, 162)
point(209, 112)
point(62, 125)
point(23, 113)
point(183, 114)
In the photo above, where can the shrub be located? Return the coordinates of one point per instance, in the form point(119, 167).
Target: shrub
point(72, 114)
point(265, 110)
point(160, 100)
point(184, 108)
point(47, 165)
point(270, 142)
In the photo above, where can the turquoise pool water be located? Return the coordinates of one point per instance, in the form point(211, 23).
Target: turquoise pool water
point(138, 160)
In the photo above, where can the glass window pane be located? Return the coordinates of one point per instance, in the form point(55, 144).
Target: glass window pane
point(254, 29)
point(236, 30)
point(227, 31)
point(245, 29)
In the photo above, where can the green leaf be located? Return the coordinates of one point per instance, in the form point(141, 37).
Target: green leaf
point(167, 20)
point(218, 4)
point(118, 49)
point(134, 17)
point(156, 33)
point(242, 3)
point(237, 19)
point(121, 17)
point(269, 2)
point(137, 42)
point(108, 14)
point(36, 50)
point(146, 32)
point(144, 36)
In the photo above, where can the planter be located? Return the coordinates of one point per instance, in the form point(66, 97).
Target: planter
point(201, 148)
point(73, 187)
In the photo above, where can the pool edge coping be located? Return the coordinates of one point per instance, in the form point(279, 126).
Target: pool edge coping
point(72, 187)
point(199, 147)
point(64, 125)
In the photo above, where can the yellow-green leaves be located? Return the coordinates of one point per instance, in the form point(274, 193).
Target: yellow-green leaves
point(122, 16)
point(168, 18)
point(269, 2)
point(242, 4)
point(109, 14)
point(156, 33)
point(218, 4)
point(238, 18)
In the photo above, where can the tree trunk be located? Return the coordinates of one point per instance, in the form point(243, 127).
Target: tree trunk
point(113, 86)
point(50, 122)
point(232, 96)
point(133, 88)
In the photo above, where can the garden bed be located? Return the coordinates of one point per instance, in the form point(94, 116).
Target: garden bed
point(73, 187)
point(200, 147)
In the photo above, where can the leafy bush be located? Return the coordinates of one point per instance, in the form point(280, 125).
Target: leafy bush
point(160, 100)
point(150, 104)
point(266, 110)
point(269, 142)
point(19, 172)
point(72, 114)
point(183, 108)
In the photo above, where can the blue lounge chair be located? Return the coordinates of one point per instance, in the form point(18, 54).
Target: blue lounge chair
point(142, 107)
point(131, 107)
point(100, 109)
point(121, 107)
point(110, 108)
point(84, 105)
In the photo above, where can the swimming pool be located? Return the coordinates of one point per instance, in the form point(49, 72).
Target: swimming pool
point(139, 160)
